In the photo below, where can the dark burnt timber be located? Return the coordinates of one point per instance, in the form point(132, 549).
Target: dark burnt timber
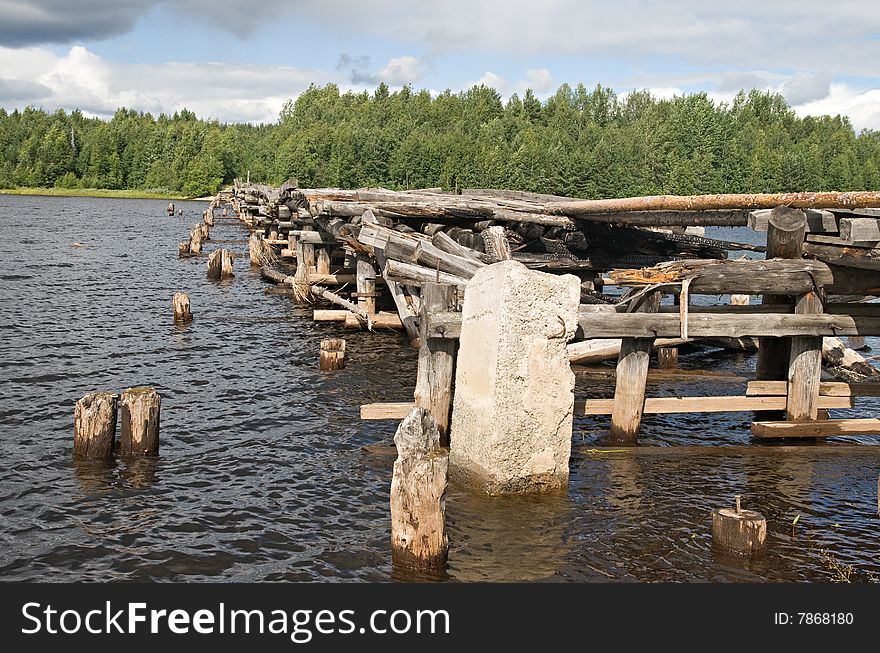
point(411, 257)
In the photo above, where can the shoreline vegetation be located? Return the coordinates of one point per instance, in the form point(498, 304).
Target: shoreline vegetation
point(132, 194)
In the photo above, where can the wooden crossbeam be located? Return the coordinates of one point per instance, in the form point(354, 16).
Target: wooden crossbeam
point(816, 429)
point(826, 389)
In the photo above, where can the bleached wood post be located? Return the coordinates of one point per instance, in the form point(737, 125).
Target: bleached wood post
point(785, 237)
point(170, 209)
point(214, 264)
point(182, 313)
point(255, 248)
point(805, 367)
point(667, 357)
point(209, 217)
point(632, 374)
point(195, 240)
point(227, 262)
point(366, 284)
point(418, 495)
point(332, 354)
point(740, 300)
point(322, 260)
point(140, 422)
point(495, 243)
point(182, 249)
point(436, 369)
point(735, 530)
point(206, 232)
point(94, 426)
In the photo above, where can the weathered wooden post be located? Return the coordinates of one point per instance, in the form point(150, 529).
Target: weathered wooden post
point(170, 209)
point(805, 367)
point(206, 233)
point(182, 249)
point(182, 313)
point(740, 300)
point(140, 422)
point(180, 212)
point(667, 357)
point(94, 426)
point(513, 406)
point(735, 530)
point(785, 237)
point(255, 248)
point(195, 240)
point(495, 243)
point(436, 369)
point(632, 374)
point(209, 217)
point(220, 264)
point(418, 495)
point(366, 284)
point(332, 354)
point(225, 212)
point(322, 260)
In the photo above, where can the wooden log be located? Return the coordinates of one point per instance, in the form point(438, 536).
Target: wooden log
point(442, 241)
point(785, 237)
point(215, 264)
point(740, 300)
point(818, 221)
point(379, 320)
point(586, 352)
point(496, 244)
point(854, 257)
point(827, 200)
point(434, 258)
point(182, 313)
point(739, 531)
point(332, 355)
point(805, 366)
point(415, 275)
point(845, 363)
point(323, 315)
point(94, 426)
point(320, 291)
point(140, 408)
point(726, 325)
point(418, 495)
point(436, 369)
point(840, 242)
point(826, 389)
point(366, 284)
point(632, 372)
point(322, 256)
point(816, 429)
point(255, 249)
point(852, 281)
point(854, 229)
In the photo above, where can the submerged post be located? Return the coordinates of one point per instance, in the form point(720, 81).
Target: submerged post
point(94, 426)
point(632, 374)
point(514, 389)
point(140, 422)
point(182, 313)
point(735, 530)
point(332, 356)
point(366, 284)
point(418, 495)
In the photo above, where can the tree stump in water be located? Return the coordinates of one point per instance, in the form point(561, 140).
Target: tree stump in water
point(206, 233)
point(418, 494)
point(94, 426)
point(140, 422)
point(209, 217)
point(195, 240)
point(182, 313)
point(739, 531)
point(332, 354)
point(182, 249)
point(255, 249)
point(170, 209)
point(227, 261)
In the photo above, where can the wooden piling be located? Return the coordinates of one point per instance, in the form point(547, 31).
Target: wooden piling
point(182, 249)
point(667, 357)
point(140, 409)
point(436, 368)
point(195, 240)
point(418, 495)
point(332, 354)
point(170, 209)
point(805, 366)
point(785, 237)
point(209, 217)
point(322, 257)
point(182, 313)
point(632, 373)
point(94, 426)
point(735, 530)
point(366, 284)
point(220, 264)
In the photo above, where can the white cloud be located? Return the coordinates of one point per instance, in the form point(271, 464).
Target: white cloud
point(81, 79)
point(402, 70)
point(538, 79)
point(862, 107)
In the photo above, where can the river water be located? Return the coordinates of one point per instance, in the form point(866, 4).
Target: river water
point(262, 473)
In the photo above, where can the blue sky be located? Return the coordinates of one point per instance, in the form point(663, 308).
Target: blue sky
point(240, 60)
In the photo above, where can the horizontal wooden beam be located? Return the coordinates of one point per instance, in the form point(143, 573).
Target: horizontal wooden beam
point(816, 429)
point(707, 325)
point(818, 221)
point(723, 404)
point(826, 389)
point(854, 229)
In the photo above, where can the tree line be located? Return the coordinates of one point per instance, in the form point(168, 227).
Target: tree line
point(578, 142)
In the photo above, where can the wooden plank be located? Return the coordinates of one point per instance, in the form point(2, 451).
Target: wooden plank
point(840, 242)
point(818, 221)
point(708, 325)
point(859, 229)
point(826, 389)
point(853, 257)
point(816, 429)
point(805, 366)
point(722, 404)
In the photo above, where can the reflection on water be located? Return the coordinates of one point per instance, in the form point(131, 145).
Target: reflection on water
point(262, 475)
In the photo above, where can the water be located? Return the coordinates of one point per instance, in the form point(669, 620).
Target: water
point(262, 475)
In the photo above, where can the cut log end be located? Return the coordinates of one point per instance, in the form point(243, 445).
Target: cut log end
point(94, 426)
point(140, 408)
point(332, 355)
point(742, 532)
point(182, 312)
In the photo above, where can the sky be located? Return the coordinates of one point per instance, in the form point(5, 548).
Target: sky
point(240, 61)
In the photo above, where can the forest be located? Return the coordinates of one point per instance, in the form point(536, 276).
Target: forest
point(578, 142)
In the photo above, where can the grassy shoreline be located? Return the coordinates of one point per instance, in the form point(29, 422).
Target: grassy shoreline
point(94, 192)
